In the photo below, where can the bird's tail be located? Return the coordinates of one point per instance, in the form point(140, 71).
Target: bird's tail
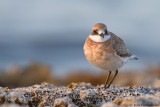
point(133, 57)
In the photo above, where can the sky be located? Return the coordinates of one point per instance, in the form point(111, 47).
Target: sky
point(129, 19)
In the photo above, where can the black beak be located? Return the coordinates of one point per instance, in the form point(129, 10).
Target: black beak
point(102, 35)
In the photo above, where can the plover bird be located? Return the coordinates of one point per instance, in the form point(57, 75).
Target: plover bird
point(105, 50)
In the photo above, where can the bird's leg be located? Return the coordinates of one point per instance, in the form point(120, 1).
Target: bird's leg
point(116, 72)
point(107, 79)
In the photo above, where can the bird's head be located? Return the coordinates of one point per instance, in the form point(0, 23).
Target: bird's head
point(99, 33)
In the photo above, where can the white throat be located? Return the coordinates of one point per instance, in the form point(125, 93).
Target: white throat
point(97, 38)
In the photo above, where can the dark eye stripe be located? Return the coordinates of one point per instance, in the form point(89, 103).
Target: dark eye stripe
point(94, 32)
point(106, 32)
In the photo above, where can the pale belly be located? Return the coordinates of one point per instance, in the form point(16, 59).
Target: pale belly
point(104, 60)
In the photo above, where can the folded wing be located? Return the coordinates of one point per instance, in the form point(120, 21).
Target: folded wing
point(119, 46)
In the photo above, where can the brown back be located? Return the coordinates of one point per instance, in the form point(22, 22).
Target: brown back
point(119, 46)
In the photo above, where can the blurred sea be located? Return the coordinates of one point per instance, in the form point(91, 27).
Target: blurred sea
point(53, 32)
point(62, 58)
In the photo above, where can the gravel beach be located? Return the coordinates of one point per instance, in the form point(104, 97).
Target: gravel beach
point(79, 95)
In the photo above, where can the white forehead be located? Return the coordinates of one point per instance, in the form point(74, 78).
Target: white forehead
point(101, 31)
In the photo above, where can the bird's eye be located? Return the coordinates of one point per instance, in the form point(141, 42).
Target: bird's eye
point(106, 32)
point(95, 32)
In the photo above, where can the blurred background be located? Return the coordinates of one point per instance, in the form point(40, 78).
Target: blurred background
point(43, 40)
